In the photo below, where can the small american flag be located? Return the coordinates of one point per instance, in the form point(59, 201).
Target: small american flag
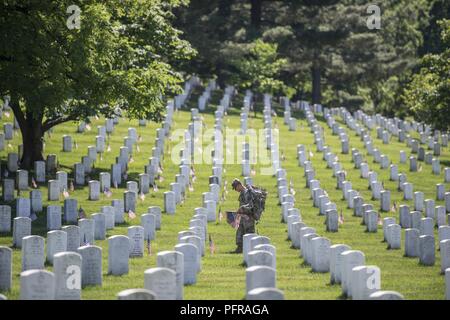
point(291, 187)
point(107, 192)
point(108, 149)
point(212, 246)
point(131, 160)
point(65, 193)
point(33, 216)
point(71, 187)
point(33, 183)
point(191, 187)
point(85, 242)
point(81, 213)
point(131, 214)
point(380, 222)
point(149, 247)
point(341, 218)
point(142, 196)
point(155, 187)
point(394, 207)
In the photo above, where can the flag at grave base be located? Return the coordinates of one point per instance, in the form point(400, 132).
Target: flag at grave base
point(380, 222)
point(108, 149)
point(212, 246)
point(149, 248)
point(33, 183)
point(71, 187)
point(341, 218)
point(191, 188)
point(107, 192)
point(65, 193)
point(394, 207)
point(155, 188)
point(81, 213)
point(131, 214)
point(142, 196)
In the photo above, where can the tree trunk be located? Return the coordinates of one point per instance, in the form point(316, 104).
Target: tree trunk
point(316, 88)
point(32, 134)
point(225, 8)
point(32, 145)
point(255, 14)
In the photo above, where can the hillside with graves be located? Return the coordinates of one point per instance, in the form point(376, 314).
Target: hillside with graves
point(357, 204)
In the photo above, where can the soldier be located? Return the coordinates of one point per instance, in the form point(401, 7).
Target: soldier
point(245, 214)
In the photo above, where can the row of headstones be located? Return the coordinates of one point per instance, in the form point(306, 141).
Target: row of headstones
point(404, 186)
point(414, 144)
point(100, 139)
point(72, 245)
point(419, 242)
point(382, 159)
point(376, 186)
point(423, 241)
point(357, 203)
point(400, 128)
point(316, 250)
point(407, 188)
point(180, 100)
point(183, 179)
point(191, 242)
point(203, 100)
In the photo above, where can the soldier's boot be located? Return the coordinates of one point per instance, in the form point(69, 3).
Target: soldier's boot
point(238, 249)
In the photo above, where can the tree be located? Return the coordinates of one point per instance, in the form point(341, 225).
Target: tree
point(258, 67)
point(428, 94)
point(120, 56)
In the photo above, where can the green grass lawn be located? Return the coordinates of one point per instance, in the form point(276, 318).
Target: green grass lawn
point(222, 275)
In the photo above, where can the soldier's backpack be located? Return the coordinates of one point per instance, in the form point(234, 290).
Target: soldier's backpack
point(259, 196)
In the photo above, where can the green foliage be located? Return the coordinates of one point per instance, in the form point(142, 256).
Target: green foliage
point(428, 94)
point(258, 68)
point(120, 56)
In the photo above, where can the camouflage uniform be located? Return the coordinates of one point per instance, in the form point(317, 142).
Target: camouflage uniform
point(247, 222)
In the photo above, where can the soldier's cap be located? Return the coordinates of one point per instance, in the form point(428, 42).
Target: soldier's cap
point(235, 183)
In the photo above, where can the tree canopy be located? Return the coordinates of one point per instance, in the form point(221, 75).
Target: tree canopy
point(121, 55)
